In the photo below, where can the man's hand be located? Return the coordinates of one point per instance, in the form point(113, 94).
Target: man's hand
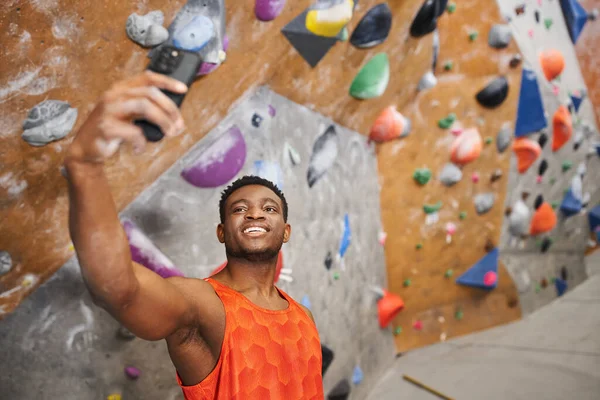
point(111, 122)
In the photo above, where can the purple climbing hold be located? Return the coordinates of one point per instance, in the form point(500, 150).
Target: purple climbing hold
point(268, 10)
point(144, 252)
point(132, 372)
point(219, 161)
point(206, 67)
point(272, 111)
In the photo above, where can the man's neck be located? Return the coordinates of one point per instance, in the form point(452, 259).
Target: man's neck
point(250, 276)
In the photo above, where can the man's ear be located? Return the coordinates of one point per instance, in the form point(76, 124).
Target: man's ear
point(287, 233)
point(221, 233)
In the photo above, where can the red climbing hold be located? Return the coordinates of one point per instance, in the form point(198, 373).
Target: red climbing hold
point(543, 220)
point(389, 125)
point(562, 128)
point(466, 147)
point(388, 307)
point(553, 63)
point(527, 151)
point(418, 325)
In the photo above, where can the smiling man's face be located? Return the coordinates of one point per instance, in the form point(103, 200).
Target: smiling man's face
point(254, 228)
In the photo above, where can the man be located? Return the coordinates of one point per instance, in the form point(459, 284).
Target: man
point(232, 336)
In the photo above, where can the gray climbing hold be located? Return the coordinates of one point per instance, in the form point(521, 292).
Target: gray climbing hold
point(147, 30)
point(450, 174)
point(125, 334)
point(48, 121)
point(499, 36)
point(503, 139)
point(5, 262)
point(484, 202)
point(427, 81)
point(519, 219)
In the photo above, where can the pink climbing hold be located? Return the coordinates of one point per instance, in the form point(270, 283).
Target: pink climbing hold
point(268, 10)
point(538, 179)
point(456, 131)
point(450, 228)
point(555, 90)
point(382, 238)
point(530, 33)
point(418, 325)
point(490, 278)
point(475, 177)
point(132, 372)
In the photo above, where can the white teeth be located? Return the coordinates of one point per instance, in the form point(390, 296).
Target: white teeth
point(254, 229)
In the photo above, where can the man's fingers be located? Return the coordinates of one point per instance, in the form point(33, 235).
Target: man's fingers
point(124, 132)
point(149, 78)
point(142, 108)
point(153, 94)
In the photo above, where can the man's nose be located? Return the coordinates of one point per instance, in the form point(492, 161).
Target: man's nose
point(255, 213)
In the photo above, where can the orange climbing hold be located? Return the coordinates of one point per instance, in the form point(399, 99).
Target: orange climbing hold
point(466, 147)
point(389, 125)
point(553, 63)
point(562, 128)
point(388, 307)
point(527, 151)
point(544, 220)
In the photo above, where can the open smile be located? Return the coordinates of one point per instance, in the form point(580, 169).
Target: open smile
point(255, 231)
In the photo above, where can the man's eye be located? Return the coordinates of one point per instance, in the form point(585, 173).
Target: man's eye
point(238, 209)
point(271, 209)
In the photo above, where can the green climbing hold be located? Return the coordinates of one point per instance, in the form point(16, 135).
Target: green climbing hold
point(448, 65)
point(373, 78)
point(407, 283)
point(553, 280)
point(451, 8)
point(555, 204)
point(473, 36)
point(449, 273)
point(566, 166)
point(548, 22)
point(447, 122)
point(419, 246)
point(538, 288)
point(422, 175)
point(459, 314)
point(462, 215)
point(398, 331)
point(336, 275)
point(489, 140)
point(432, 208)
point(552, 181)
point(345, 34)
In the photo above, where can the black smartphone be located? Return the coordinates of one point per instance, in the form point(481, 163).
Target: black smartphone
point(178, 64)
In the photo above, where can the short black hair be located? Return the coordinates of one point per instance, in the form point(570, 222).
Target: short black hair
point(250, 180)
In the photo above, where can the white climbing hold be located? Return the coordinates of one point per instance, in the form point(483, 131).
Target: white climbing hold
point(291, 155)
point(581, 169)
point(519, 218)
point(147, 30)
point(450, 174)
point(427, 81)
point(484, 202)
point(48, 121)
point(499, 36)
point(5, 262)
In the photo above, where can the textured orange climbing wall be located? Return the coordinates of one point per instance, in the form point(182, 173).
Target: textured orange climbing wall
point(587, 53)
point(96, 53)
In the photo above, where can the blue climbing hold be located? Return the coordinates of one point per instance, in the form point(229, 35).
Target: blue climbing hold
point(195, 35)
point(306, 302)
point(575, 17)
point(357, 375)
point(345, 242)
point(570, 205)
point(594, 220)
point(530, 111)
point(484, 274)
point(561, 286)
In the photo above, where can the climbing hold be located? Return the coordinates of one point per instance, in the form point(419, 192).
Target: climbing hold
point(336, 275)
point(459, 314)
point(537, 16)
point(268, 10)
point(548, 23)
point(450, 231)
point(219, 161)
point(406, 283)
point(447, 122)
point(575, 17)
point(479, 274)
point(520, 9)
point(306, 302)
point(132, 372)
point(496, 175)
point(125, 334)
point(325, 151)
point(484, 202)
point(382, 237)
point(425, 21)
point(542, 140)
point(195, 34)
point(475, 177)
point(418, 325)
point(448, 65)
point(594, 221)
point(5, 262)
point(327, 356)
point(48, 121)
point(563, 273)
point(489, 140)
point(451, 8)
point(566, 165)
point(373, 28)
point(389, 125)
point(427, 81)
point(341, 391)
point(562, 128)
point(145, 253)
point(344, 34)
point(448, 273)
point(450, 174)
point(577, 98)
point(539, 200)
point(561, 286)
point(462, 215)
point(466, 147)
point(503, 139)
point(494, 93)
point(553, 63)
point(256, 120)
point(546, 243)
point(542, 168)
point(527, 151)
point(388, 306)
point(530, 111)
point(571, 204)
point(499, 36)
point(147, 30)
point(422, 175)
point(372, 79)
point(432, 208)
point(544, 283)
point(357, 375)
point(346, 237)
point(328, 17)
point(292, 155)
point(419, 246)
point(544, 220)
point(473, 36)
point(515, 61)
point(208, 67)
point(398, 330)
point(435, 49)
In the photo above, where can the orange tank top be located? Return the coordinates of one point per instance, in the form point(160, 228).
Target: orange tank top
point(266, 354)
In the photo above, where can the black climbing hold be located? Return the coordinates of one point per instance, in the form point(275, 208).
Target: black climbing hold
point(328, 356)
point(256, 120)
point(564, 273)
point(546, 243)
point(542, 168)
point(373, 28)
point(341, 391)
point(537, 16)
point(494, 93)
point(538, 201)
point(542, 140)
point(425, 21)
point(328, 260)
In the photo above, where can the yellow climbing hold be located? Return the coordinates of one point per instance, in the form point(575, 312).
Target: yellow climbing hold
point(330, 21)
